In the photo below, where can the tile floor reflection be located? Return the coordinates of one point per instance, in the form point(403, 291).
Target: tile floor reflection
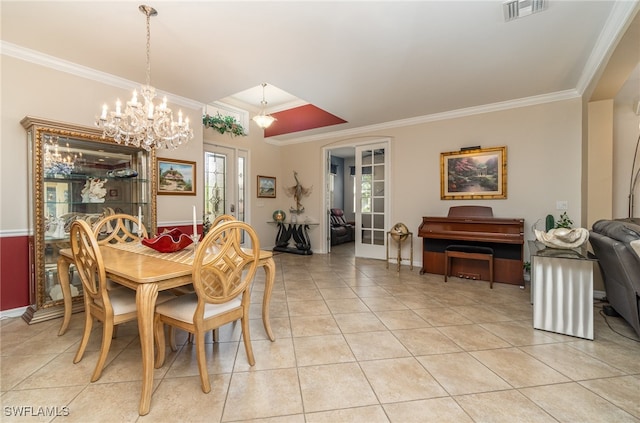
point(355, 342)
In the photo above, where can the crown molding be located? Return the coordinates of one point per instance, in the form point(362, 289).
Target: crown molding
point(617, 23)
point(38, 58)
point(452, 114)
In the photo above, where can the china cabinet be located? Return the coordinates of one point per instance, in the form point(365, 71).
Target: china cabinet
point(74, 173)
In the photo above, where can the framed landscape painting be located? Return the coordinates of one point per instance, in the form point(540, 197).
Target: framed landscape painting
point(479, 173)
point(176, 177)
point(266, 187)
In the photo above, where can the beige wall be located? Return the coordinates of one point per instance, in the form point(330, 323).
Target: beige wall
point(543, 152)
point(599, 161)
point(625, 137)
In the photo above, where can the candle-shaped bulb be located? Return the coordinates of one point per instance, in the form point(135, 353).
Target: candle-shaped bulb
point(179, 117)
point(150, 111)
point(118, 108)
point(195, 225)
point(104, 112)
point(134, 99)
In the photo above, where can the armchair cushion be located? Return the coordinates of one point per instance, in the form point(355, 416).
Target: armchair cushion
point(341, 230)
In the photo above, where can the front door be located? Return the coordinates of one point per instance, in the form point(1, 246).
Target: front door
point(225, 171)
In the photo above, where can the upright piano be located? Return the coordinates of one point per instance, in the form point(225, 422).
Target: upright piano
point(474, 225)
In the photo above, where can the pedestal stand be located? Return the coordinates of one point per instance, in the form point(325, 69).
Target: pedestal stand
point(409, 236)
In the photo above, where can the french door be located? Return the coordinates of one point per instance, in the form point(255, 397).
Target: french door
point(225, 183)
point(372, 204)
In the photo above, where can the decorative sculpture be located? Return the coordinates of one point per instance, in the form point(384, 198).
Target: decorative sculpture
point(563, 238)
point(297, 191)
point(94, 191)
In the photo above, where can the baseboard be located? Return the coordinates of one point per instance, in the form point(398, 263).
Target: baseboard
point(14, 312)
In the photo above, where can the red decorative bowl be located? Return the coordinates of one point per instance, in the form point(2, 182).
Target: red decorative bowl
point(168, 242)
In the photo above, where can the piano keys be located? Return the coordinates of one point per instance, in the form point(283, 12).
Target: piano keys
point(474, 225)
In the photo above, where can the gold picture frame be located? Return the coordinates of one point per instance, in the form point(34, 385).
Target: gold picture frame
point(176, 177)
point(474, 174)
point(266, 187)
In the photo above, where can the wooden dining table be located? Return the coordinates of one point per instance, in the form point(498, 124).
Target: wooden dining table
point(147, 272)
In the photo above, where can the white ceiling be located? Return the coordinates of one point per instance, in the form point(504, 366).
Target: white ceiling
point(367, 62)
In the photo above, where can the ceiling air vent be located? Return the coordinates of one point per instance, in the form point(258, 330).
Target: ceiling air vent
point(519, 8)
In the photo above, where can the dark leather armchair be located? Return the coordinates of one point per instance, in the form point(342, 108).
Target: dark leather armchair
point(613, 243)
point(341, 230)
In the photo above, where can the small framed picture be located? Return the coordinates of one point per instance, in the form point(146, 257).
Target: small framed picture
point(479, 173)
point(176, 177)
point(266, 187)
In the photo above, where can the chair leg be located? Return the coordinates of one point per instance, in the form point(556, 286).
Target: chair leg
point(107, 333)
point(171, 333)
point(491, 272)
point(202, 362)
point(447, 265)
point(158, 328)
point(247, 339)
point(88, 324)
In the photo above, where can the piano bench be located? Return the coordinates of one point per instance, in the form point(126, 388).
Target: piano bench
point(468, 252)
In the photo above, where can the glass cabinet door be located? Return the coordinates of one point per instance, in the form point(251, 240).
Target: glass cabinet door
point(75, 174)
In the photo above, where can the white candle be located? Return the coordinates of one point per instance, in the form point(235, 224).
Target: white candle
point(195, 226)
point(104, 112)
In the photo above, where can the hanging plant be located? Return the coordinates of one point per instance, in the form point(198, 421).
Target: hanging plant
point(223, 124)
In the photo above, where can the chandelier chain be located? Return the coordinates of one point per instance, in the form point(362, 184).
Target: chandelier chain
point(148, 47)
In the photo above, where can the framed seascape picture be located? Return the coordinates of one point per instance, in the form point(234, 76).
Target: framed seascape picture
point(479, 173)
point(176, 177)
point(266, 187)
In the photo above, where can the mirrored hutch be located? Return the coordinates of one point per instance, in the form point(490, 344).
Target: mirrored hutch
point(74, 173)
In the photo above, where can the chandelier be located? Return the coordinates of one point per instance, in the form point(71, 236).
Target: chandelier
point(141, 123)
point(54, 162)
point(262, 119)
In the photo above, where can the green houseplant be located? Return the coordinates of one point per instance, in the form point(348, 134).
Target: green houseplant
point(564, 221)
point(223, 124)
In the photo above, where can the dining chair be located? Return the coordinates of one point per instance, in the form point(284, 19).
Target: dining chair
point(118, 228)
point(111, 307)
point(222, 275)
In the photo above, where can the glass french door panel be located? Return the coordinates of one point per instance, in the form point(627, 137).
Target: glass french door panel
point(242, 172)
point(371, 182)
point(378, 238)
point(215, 191)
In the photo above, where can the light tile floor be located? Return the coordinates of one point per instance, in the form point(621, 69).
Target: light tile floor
point(356, 342)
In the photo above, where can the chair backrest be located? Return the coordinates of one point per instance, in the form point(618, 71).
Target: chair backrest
point(88, 262)
point(221, 219)
point(337, 217)
point(222, 269)
point(118, 228)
